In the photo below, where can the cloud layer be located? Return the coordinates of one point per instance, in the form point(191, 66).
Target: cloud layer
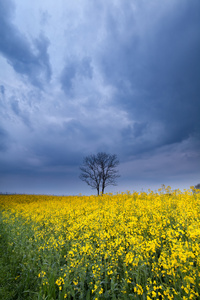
point(82, 77)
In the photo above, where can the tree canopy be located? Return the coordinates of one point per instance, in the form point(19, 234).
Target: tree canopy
point(99, 170)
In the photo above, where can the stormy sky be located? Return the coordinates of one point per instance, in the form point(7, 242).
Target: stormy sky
point(80, 77)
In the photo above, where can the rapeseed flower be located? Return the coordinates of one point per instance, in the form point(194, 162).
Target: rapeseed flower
point(140, 244)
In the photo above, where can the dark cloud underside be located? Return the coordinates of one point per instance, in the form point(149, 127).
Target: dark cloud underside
point(18, 50)
point(78, 77)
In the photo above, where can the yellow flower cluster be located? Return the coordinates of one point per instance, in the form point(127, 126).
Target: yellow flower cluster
point(143, 245)
point(60, 281)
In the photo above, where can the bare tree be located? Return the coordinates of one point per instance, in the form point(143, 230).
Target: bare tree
point(108, 164)
point(91, 172)
point(99, 170)
point(197, 188)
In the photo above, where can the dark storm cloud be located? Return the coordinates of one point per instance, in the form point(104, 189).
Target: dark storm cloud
point(2, 90)
point(68, 146)
point(157, 73)
point(52, 156)
point(21, 114)
point(131, 69)
point(18, 51)
point(139, 129)
point(75, 68)
point(3, 139)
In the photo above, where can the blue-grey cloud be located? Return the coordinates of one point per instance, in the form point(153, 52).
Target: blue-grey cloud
point(21, 114)
point(3, 140)
point(2, 90)
point(17, 49)
point(75, 67)
point(131, 70)
point(157, 73)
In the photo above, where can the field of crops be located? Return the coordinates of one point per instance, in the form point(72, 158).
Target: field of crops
point(124, 246)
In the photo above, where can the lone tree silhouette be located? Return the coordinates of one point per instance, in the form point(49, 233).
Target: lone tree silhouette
point(99, 170)
point(197, 188)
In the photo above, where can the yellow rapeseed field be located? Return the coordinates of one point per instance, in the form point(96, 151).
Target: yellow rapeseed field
point(124, 246)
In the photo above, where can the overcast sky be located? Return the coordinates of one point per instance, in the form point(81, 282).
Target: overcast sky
point(80, 77)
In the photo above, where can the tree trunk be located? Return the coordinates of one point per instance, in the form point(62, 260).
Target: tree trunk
point(103, 189)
